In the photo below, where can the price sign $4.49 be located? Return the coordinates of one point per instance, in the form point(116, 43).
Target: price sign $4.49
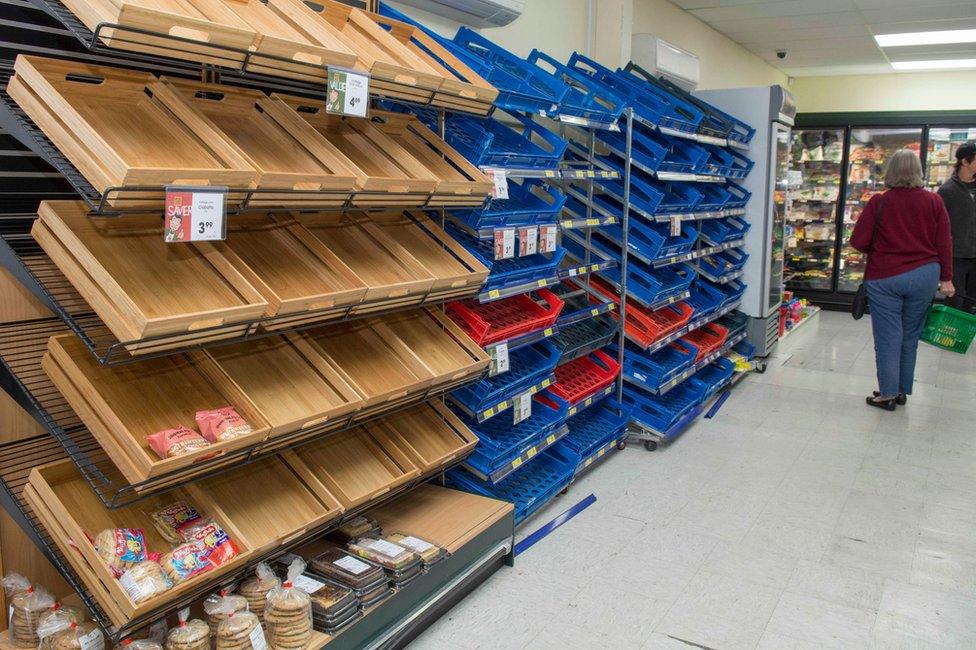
point(195, 214)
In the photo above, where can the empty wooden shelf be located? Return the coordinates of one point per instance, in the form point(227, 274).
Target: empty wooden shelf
point(139, 285)
point(352, 466)
point(389, 172)
point(213, 26)
point(456, 271)
point(287, 153)
point(295, 54)
point(112, 402)
point(393, 276)
point(289, 267)
point(121, 127)
point(430, 435)
point(292, 391)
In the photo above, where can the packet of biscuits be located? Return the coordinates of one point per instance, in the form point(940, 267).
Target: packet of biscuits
point(129, 643)
point(288, 612)
point(54, 620)
point(256, 588)
point(220, 425)
point(121, 548)
point(27, 604)
point(177, 521)
point(239, 630)
point(82, 635)
point(145, 581)
point(215, 607)
point(170, 443)
point(189, 634)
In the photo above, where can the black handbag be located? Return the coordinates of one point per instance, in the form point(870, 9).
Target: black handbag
point(859, 306)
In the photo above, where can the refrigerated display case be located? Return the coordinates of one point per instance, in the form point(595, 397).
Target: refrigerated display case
point(941, 152)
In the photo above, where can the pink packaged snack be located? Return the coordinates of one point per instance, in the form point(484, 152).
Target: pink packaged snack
point(217, 544)
point(176, 442)
point(219, 425)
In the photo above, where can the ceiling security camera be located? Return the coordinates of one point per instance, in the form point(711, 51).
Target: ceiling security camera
point(781, 54)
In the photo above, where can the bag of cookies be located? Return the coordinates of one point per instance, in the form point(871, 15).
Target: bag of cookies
point(138, 644)
point(54, 620)
point(256, 589)
point(121, 548)
point(239, 630)
point(219, 425)
point(215, 606)
point(288, 612)
point(83, 635)
point(192, 634)
point(176, 442)
point(176, 522)
point(144, 581)
point(26, 606)
point(217, 545)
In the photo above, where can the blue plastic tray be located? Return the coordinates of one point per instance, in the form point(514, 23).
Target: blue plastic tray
point(576, 209)
point(586, 97)
point(653, 241)
point(511, 271)
point(739, 196)
point(594, 428)
point(709, 379)
point(487, 141)
point(584, 337)
point(660, 412)
point(732, 291)
point(527, 366)
point(501, 442)
point(530, 203)
point(705, 297)
point(529, 489)
point(717, 123)
point(658, 367)
point(679, 198)
point(720, 231)
point(681, 115)
point(714, 197)
point(723, 263)
point(736, 322)
point(643, 197)
point(646, 105)
point(745, 348)
point(726, 162)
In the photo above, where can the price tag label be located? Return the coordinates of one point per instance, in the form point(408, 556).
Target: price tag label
point(675, 226)
point(195, 214)
point(504, 244)
point(547, 238)
point(528, 241)
point(499, 359)
point(500, 180)
point(348, 92)
point(522, 408)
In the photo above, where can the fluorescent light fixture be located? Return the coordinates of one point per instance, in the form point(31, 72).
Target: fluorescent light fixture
point(938, 64)
point(927, 38)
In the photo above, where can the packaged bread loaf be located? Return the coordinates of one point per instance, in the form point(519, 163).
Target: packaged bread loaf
point(145, 581)
point(288, 612)
point(121, 548)
point(83, 635)
point(256, 589)
point(220, 425)
point(54, 620)
point(239, 631)
point(170, 443)
point(208, 547)
point(217, 604)
point(26, 605)
point(189, 634)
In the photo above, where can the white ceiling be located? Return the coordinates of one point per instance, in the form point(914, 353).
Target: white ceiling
point(828, 37)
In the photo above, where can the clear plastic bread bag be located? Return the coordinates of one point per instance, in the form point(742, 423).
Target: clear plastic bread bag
point(27, 604)
point(189, 634)
point(55, 619)
point(288, 612)
point(216, 604)
point(82, 635)
point(138, 644)
point(256, 588)
point(239, 630)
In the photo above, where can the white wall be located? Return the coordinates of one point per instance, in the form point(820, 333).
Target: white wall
point(922, 91)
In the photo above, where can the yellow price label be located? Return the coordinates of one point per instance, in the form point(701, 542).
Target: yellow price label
point(487, 414)
point(594, 311)
point(550, 173)
point(587, 463)
point(567, 223)
point(579, 174)
point(592, 222)
point(547, 383)
point(541, 283)
point(601, 452)
point(572, 411)
point(674, 259)
point(516, 463)
point(547, 332)
point(611, 307)
point(589, 400)
point(531, 452)
point(594, 267)
point(551, 439)
point(494, 293)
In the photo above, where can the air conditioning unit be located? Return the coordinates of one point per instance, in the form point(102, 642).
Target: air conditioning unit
point(666, 60)
point(474, 13)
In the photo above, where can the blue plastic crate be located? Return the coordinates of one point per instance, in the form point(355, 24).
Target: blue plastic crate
point(732, 292)
point(745, 348)
point(683, 156)
point(736, 322)
point(723, 263)
point(646, 105)
point(738, 196)
point(527, 367)
point(490, 142)
point(530, 203)
point(679, 198)
point(717, 123)
point(500, 442)
point(586, 97)
point(660, 412)
point(529, 489)
point(643, 197)
point(705, 298)
point(740, 167)
point(707, 381)
point(576, 209)
point(654, 369)
point(727, 163)
point(681, 115)
point(719, 231)
point(652, 241)
point(584, 337)
point(644, 151)
point(714, 197)
point(594, 428)
point(511, 271)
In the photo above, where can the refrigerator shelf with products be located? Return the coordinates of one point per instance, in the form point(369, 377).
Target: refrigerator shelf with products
point(941, 153)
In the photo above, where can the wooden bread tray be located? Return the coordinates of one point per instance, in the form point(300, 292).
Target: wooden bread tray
point(430, 434)
point(381, 55)
point(463, 88)
point(294, 391)
point(468, 184)
point(125, 128)
point(139, 285)
point(206, 21)
point(112, 402)
point(352, 466)
point(386, 166)
point(456, 272)
point(280, 37)
point(289, 267)
point(392, 274)
point(379, 366)
point(287, 152)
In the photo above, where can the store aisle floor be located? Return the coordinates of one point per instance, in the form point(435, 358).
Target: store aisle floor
point(796, 518)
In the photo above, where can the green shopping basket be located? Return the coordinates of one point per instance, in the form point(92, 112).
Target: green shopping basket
point(949, 329)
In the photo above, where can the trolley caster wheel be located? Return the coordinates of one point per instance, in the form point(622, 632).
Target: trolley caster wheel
point(761, 367)
point(621, 445)
point(563, 491)
point(650, 445)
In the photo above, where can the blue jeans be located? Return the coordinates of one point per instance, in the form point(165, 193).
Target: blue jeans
point(899, 305)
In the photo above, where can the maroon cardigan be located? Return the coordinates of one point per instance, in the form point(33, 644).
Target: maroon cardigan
point(913, 231)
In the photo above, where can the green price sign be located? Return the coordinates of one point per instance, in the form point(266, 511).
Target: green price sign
point(348, 93)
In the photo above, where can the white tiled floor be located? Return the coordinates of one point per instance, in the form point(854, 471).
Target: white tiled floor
point(796, 518)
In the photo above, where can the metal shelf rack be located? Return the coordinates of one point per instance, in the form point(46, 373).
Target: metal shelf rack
point(685, 374)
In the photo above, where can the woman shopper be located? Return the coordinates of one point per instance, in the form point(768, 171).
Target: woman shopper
point(905, 232)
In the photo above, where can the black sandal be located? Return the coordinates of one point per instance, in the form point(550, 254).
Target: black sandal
point(886, 404)
point(899, 400)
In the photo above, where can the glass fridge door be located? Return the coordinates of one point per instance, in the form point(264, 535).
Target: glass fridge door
point(867, 157)
point(815, 160)
point(781, 140)
point(941, 158)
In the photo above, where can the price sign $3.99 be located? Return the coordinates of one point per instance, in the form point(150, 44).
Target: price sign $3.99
point(195, 214)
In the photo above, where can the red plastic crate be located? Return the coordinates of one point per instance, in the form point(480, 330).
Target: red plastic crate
point(503, 319)
point(643, 325)
point(584, 376)
point(708, 338)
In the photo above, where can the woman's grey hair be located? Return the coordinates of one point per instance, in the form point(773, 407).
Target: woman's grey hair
point(904, 170)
